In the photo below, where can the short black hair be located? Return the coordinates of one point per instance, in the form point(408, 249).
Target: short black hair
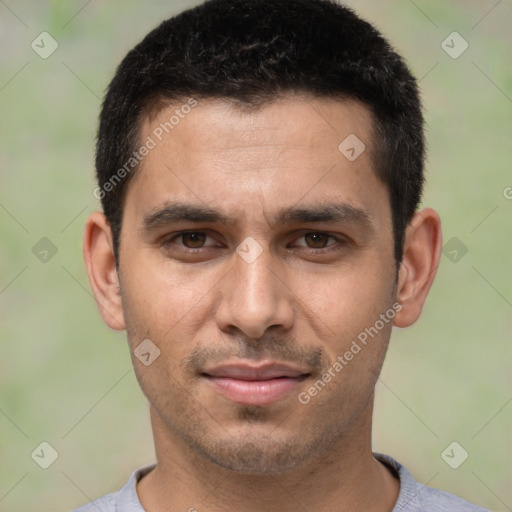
point(252, 52)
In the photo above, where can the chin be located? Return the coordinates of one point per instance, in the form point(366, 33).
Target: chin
point(262, 454)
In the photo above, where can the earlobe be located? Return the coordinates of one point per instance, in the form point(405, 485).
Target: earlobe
point(101, 269)
point(421, 255)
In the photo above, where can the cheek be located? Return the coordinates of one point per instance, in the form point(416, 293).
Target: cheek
point(346, 301)
point(168, 306)
point(163, 389)
point(156, 318)
point(162, 295)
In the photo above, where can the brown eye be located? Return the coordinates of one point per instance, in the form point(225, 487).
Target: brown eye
point(193, 239)
point(317, 240)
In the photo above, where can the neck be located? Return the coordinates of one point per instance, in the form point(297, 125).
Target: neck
point(346, 478)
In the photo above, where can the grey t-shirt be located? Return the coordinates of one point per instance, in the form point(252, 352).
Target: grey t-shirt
point(413, 497)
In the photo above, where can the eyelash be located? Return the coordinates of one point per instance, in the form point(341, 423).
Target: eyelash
point(340, 242)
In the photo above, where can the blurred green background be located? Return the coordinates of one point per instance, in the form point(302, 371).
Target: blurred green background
point(66, 378)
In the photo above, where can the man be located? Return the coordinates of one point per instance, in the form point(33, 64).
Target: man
point(260, 166)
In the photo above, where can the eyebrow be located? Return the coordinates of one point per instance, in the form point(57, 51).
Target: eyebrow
point(179, 212)
point(169, 213)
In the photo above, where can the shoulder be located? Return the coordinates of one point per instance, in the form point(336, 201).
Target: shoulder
point(416, 497)
point(124, 500)
point(106, 503)
point(440, 501)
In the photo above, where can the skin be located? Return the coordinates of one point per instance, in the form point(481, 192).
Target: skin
point(202, 304)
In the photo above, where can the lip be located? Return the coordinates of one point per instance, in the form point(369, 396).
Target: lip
point(255, 385)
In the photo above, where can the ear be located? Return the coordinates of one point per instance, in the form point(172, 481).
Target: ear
point(421, 255)
point(99, 258)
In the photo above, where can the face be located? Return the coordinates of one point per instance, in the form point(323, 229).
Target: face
point(258, 259)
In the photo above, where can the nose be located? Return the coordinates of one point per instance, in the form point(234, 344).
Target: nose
point(255, 297)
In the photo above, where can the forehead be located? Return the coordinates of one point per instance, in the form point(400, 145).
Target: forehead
point(218, 154)
point(295, 120)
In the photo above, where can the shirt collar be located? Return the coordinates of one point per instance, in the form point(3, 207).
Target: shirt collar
point(128, 499)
